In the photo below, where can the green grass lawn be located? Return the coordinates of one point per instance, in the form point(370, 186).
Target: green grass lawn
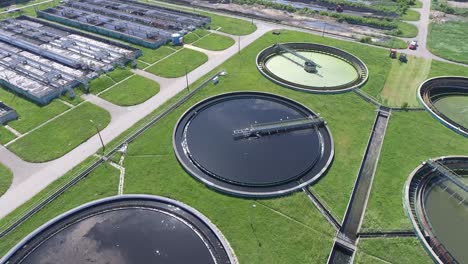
point(350, 145)
point(407, 30)
point(439, 68)
point(75, 101)
point(404, 80)
point(118, 74)
point(410, 15)
point(391, 250)
point(102, 182)
point(177, 64)
point(5, 135)
point(133, 91)
point(63, 134)
point(6, 177)
point(214, 42)
point(153, 55)
point(448, 40)
point(100, 84)
point(289, 229)
point(411, 138)
point(30, 114)
point(108, 79)
point(231, 25)
point(195, 35)
point(190, 38)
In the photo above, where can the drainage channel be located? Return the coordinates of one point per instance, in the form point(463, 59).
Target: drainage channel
point(345, 241)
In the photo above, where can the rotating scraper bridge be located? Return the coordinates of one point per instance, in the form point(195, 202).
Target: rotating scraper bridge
point(264, 129)
point(312, 67)
point(142, 24)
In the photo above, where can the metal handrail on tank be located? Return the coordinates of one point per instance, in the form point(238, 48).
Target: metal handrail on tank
point(257, 130)
point(413, 204)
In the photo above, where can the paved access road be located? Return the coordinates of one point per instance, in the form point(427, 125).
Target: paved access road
point(30, 178)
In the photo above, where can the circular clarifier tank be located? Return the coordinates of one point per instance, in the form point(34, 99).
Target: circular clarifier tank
point(312, 67)
point(446, 98)
point(436, 200)
point(125, 229)
point(253, 144)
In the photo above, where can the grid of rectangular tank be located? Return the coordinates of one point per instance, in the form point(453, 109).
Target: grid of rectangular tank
point(143, 24)
point(41, 61)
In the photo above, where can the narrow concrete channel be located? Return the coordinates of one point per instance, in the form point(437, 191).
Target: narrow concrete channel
point(345, 242)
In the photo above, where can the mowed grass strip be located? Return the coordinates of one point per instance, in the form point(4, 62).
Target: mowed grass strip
point(404, 80)
point(61, 135)
point(153, 55)
point(411, 138)
point(448, 40)
point(135, 90)
point(5, 135)
point(407, 30)
point(391, 250)
point(439, 68)
point(411, 15)
point(336, 109)
point(108, 79)
point(214, 42)
point(6, 177)
point(185, 60)
point(30, 114)
point(100, 183)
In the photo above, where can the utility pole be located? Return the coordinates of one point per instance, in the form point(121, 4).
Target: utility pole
point(186, 79)
point(239, 46)
point(100, 137)
point(323, 31)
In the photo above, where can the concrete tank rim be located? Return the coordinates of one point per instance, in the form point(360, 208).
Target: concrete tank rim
point(428, 108)
point(407, 205)
point(314, 89)
point(246, 194)
point(117, 198)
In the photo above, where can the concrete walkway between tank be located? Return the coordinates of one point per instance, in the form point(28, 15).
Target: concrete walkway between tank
point(348, 233)
point(29, 178)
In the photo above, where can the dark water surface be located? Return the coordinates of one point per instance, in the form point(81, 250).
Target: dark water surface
point(266, 160)
point(130, 235)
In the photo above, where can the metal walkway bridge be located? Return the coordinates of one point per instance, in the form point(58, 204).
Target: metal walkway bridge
point(282, 126)
point(452, 176)
point(309, 65)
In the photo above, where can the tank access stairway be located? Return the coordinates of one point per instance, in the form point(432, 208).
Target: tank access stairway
point(282, 126)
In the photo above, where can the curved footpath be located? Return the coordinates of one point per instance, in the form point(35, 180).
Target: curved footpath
point(30, 178)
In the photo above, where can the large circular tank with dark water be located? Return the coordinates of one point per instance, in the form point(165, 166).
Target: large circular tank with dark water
point(436, 200)
point(334, 71)
point(253, 144)
point(125, 229)
point(446, 98)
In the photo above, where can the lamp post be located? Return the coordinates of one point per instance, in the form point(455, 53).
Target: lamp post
point(100, 137)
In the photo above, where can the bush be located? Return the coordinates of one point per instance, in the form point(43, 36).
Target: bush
point(365, 40)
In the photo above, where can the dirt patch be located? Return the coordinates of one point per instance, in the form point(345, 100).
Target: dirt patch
point(458, 4)
point(314, 22)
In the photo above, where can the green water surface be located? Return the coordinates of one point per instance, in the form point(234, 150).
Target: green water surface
point(332, 71)
point(454, 107)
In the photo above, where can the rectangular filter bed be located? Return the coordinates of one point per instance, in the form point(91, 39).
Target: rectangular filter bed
point(142, 24)
point(41, 61)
